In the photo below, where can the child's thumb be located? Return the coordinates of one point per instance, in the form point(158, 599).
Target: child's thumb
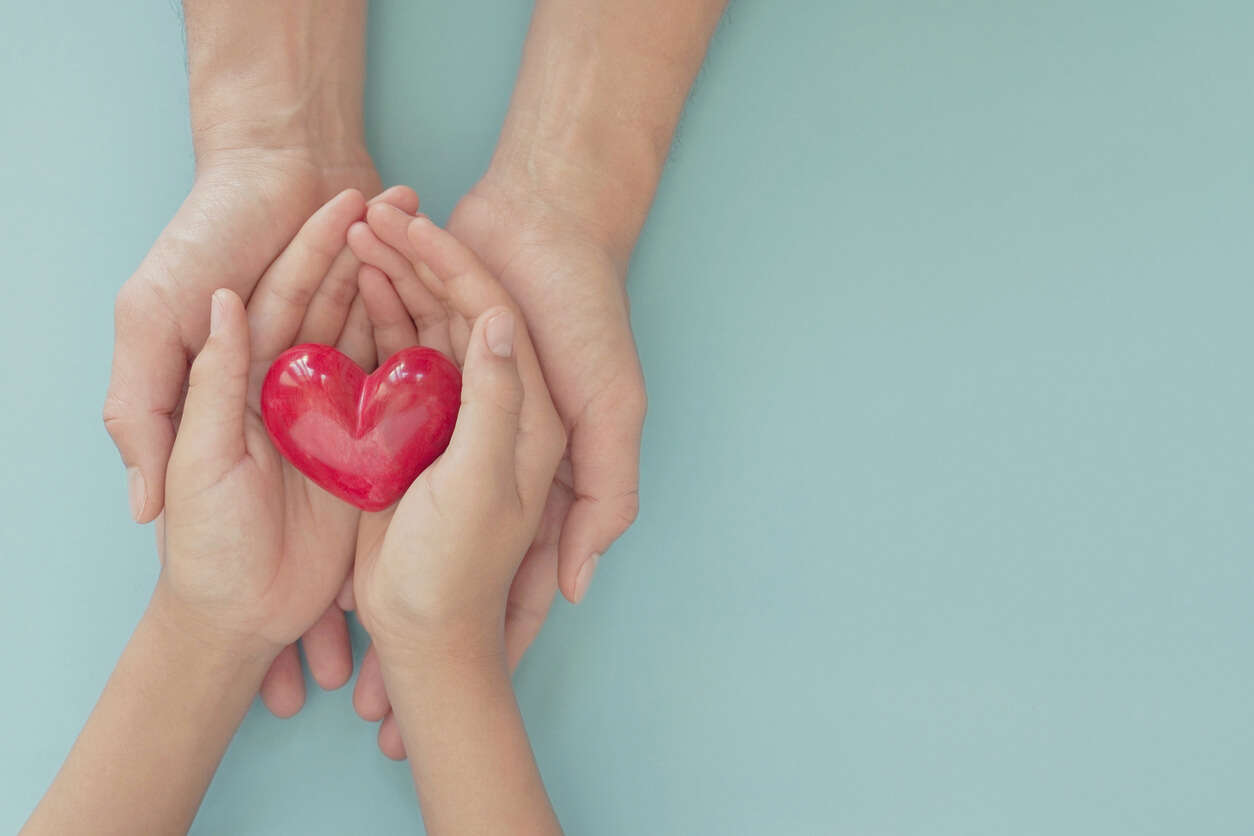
point(492, 395)
point(213, 414)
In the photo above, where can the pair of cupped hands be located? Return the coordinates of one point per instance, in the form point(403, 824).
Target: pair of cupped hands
point(540, 476)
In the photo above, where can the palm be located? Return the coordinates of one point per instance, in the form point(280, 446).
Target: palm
point(308, 295)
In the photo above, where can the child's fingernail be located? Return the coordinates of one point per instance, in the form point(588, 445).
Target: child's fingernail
point(215, 312)
point(499, 334)
point(584, 579)
point(136, 490)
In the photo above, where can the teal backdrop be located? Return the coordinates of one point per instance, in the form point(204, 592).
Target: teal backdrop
point(945, 310)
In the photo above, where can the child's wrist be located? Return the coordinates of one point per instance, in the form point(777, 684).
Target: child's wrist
point(461, 645)
point(207, 638)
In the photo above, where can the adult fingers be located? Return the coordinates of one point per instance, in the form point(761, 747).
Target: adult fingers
point(390, 741)
point(370, 696)
point(283, 688)
point(535, 583)
point(393, 327)
point(149, 370)
point(605, 459)
point(328, 649)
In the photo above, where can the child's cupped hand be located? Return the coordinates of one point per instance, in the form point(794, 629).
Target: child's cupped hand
point(434, 572)
point(253, 553)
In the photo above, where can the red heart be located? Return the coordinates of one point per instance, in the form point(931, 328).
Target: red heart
point(364, 438)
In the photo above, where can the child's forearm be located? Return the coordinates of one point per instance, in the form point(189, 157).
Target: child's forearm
point(144, 759)
point(468, 750)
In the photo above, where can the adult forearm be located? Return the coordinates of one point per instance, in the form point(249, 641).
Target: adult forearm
point(276, 75)
point(149, 750)
point(599, 94)
point(468, 750)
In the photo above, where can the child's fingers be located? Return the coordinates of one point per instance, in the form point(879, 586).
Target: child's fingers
point(328, 309)
point(470, 290)
point(492, 398)
point(331, 305)
point(393, 328)
point(389, 226)
point(213, 414)
point(279, 304)
point(357, 339)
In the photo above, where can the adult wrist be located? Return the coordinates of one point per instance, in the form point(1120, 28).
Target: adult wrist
point(277, 76)
point(603, 192)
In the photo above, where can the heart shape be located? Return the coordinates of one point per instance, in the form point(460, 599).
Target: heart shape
point(364, 438)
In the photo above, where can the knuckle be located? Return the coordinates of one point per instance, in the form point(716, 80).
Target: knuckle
point(131, 303)
point(627, 509)
point(635, 403)
point(114, 414)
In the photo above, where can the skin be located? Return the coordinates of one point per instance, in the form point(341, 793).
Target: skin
point(555, 218)
point(275, 95)
point(276, 126)
point(437, 614)
point(236, 588)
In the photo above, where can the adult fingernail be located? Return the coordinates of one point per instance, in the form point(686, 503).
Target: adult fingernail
point(215, 311)
point(136, 490)
point(499, 334)
point(584, 579)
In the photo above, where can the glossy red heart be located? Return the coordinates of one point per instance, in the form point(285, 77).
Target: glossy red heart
point(364, 438)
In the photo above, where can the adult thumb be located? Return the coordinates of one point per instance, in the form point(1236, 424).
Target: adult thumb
point(149, 369)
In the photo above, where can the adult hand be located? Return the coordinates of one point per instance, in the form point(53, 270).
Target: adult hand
point(243, 209)
point(569, 282)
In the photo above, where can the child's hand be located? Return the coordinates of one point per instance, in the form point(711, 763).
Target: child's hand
point(253, 551)
point(434, 573)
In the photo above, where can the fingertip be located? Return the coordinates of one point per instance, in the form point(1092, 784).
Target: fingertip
point(590, 529)
point(226, 311)
point(329, 650)
point(402, 197)
point(351, 197)
point(151, 502)
point(370, 699)
point(283, 688)
point(360, 236)
point(390, 742)
point(498, 332)
point(420, 229)
point(383, 212)
point(346, 599)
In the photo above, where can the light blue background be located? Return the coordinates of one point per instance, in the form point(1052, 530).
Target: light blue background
point(945, 311)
